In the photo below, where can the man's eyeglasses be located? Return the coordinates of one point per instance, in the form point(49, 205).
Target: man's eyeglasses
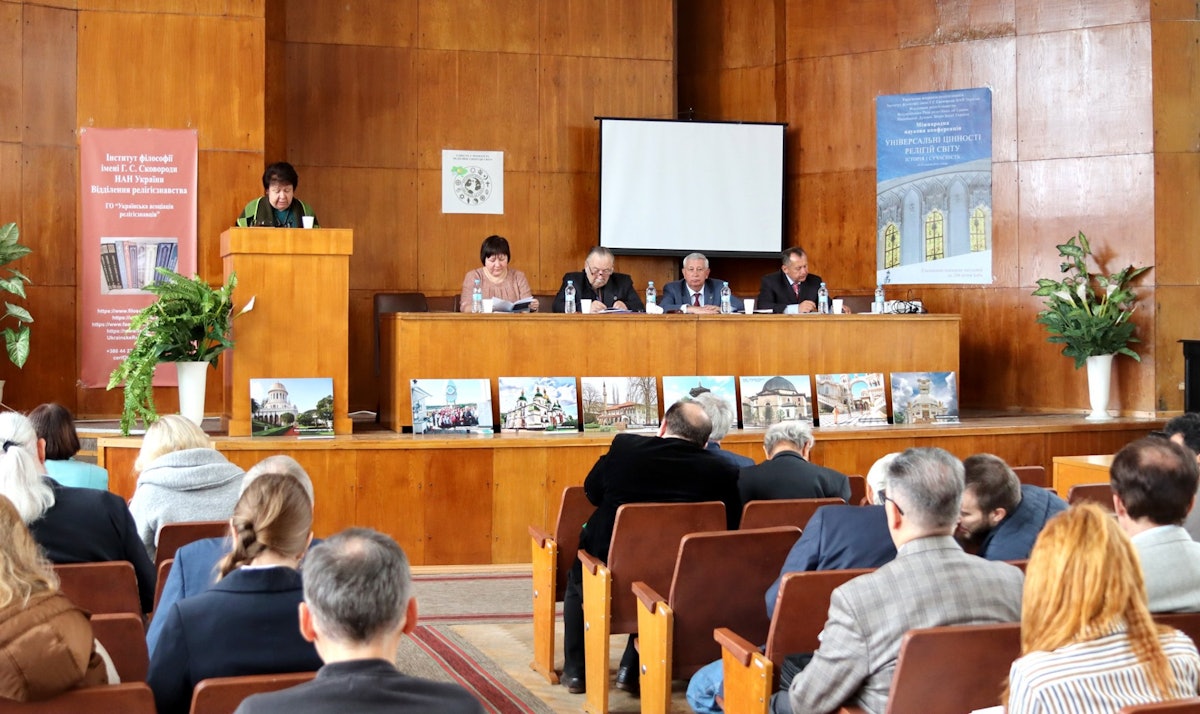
point(884, 497)
point(600, 271)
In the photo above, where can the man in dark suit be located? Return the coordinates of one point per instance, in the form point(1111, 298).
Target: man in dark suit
point(358, 605)
point(787, 472)
point(671, 467)
point(597, 282)
point(792, 285)
point(697, 292)
point(720, 413)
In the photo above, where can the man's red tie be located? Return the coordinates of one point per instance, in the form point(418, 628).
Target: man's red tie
point(696, 299)
point(796, 289)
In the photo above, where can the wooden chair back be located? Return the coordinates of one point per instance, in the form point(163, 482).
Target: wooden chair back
point(573, 512)
point(101, 587)
point(782, 512)
point(858, 489)
point(174, 536)
point(222, 695)
point(1179, 706)
point(128, 698)
point(124, 638)
point(164, 571)
point(1032, 475)
point(950, 670)
point(553, 556)
point(1186, 622)
point(1098, 493)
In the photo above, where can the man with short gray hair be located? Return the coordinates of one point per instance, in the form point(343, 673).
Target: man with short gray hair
point(720, 413)
point(358, 605)
point(787, 472)
point(696, 293)
point(931, 583)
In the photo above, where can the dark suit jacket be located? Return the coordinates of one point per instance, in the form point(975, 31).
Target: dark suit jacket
point(618, 287)
point(86, 525)
point(788, 475)
point(649, 469)
point(193, 572)
point(245, 624)
point(775, 292)
point(675, 295)
point(364, 686)
point(737, 460)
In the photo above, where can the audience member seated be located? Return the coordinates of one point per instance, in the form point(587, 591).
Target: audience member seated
point(197, 565)
point(46, 644)
point(496, 278)
point(720, 413)
point(836, 538)
point(792, 285)
point(278, 207)
point(696, 292)
point(1185, 431)
point(1088, 643)
point(358, 605)
point(597, 282)
point(180, 478)
point(245, 624)
point(72, 525)
point(1001, 517)
point(787, 472)
point(56, 424)
point(931, 583)
point(1154, 486)
point(671, 467)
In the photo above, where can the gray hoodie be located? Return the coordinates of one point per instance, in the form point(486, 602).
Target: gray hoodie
point(188, 485)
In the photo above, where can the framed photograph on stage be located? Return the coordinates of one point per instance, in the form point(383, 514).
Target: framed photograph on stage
point(547, 405)
point(857, 399)
point(619, 403)
point(771, 399)
point(281, 406)
point(924, 398)
point(676, 388)
point(452, 406)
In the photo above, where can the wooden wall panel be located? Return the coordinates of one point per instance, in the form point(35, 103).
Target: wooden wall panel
point(457, 481)
point(823, 28)
point(226, 180)
point(1175, 319)
point(641, 29)
point(1037, 16)
point(389, 491)
point(10, 183)
point(1173, 10)
point(1176, 196)
point(570, 226)
point(11, 95)
point(48, 181)
point(830, 221)
point(479, 26)
point(50, 373)
point(177, 7)
point(1176, 93)
point(724, 34)
point(519, 498)
point(48, 70)
point(742, 94)
point(365, 385)
point(383, 24)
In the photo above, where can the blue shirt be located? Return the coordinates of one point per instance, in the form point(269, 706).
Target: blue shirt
point(78, 474)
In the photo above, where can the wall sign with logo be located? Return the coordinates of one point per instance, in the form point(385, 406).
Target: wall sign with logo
point(472, 181)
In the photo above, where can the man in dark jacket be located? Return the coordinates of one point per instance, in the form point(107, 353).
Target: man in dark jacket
point(787, 472)
point(1001, 516)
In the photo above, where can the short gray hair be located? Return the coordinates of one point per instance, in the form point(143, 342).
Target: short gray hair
point(929, 482)
point(357, 585)
point(877, 476)
point(794, 432)
point(719, 411)
point(694, 256)
point(600, 251)
point(284, 466)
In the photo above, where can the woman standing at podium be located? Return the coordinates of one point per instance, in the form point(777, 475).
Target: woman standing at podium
point(278, 207)
point(495, 278)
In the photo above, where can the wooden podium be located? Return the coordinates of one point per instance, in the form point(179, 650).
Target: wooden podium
point(299, 325)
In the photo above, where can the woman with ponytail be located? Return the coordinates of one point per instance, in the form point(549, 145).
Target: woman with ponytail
point(72, 525)
point(246, 623)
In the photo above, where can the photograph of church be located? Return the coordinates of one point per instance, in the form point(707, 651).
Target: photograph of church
point(291, 407)
point(542, 404)
point(924, 397)
point(851, 399)
point(619, 403)
point(443, 406)
point(772, 399)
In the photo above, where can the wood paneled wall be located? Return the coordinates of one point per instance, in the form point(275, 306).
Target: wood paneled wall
point(1094, 129)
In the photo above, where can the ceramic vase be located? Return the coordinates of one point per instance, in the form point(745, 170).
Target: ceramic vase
point(1099, 371)
point(192, 378)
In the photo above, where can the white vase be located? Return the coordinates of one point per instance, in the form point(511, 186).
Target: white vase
point(1099, 370)
point(192, 377)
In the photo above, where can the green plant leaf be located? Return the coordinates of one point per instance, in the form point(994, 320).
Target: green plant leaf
point(17, 342)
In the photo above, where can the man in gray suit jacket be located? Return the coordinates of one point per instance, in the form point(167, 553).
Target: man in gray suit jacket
point(696, 292)
point(931, 583)
point(1154, 486)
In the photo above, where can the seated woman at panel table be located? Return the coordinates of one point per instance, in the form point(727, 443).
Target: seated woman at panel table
point(72, 525)
point(1088, 643)
point(246, 623)
point(46, 644)
point(278, 207)
point(496, 279)
point(55, 424)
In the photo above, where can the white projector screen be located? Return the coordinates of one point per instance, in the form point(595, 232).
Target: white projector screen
point(680, 186)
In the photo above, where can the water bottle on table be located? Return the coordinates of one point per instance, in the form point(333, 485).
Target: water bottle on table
point(569, 293)
point(879, 299)
point(651, 294)
point(726, 299)
point(823, 300)
point(477, 298)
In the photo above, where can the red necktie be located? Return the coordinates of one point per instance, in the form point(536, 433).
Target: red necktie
point(796, 289)
point(696, 299)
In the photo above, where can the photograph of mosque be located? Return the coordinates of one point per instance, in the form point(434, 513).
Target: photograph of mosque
point(543, 404)
point(924, 397)
point(292, 407)
point(676, 388)
point(851, 399)
point(449, 406)
point(770, 400)
point(619, 403)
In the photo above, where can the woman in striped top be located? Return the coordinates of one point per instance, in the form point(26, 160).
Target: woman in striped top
point(1088, 643)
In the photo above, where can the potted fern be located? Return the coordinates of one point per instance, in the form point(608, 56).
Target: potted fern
point(16, 340)
point(189, 323)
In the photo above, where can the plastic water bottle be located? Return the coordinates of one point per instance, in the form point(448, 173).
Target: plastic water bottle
point(477, 298)
point(651, 294)
point(879, 298)
point(726, 299)
point(823, 300)
point(569, 293)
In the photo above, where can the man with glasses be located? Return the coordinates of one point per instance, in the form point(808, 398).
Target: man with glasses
point(597, 282)
point(792, 285)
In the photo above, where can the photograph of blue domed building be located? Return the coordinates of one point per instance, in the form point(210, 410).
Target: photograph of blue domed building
point(770, 400)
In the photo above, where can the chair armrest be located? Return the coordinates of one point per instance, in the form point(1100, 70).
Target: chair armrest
point(540, 536)
point(737, 646)
point(590, 562)
point(647, 595)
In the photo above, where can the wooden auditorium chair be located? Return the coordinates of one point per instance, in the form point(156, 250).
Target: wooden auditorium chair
point(553, 556)
point(174, 536)
point(644, 544)
point(101, 587)
point(222, 695)
point(1179, 706)
point(951, 670)
point(719, 581)
point(1186, 622)
point(124, 638)
point(801, 608)
point(783, 512)
point(1032, 475)
point(164, 572)
point(858, 489)
point(131, 698)
point(1098, 493)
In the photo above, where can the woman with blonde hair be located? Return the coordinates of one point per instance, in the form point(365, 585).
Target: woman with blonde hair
point(246, 622)
point(180, 478)
point(46, 644)
point(1088, 642)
